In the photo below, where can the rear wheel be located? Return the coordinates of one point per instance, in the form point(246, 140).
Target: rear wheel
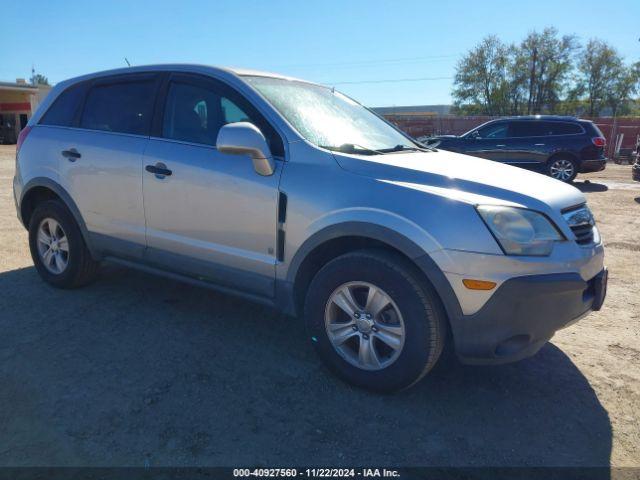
point(562, 168)
point(57, 247)
point(373, 321)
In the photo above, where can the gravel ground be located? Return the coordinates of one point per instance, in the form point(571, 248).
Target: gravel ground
point(139, 370)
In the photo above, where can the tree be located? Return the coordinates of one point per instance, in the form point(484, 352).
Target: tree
point(601, 67)
point(623, 87)
point(539, 75)
point(38, 79)
point(480, 77)
point(549, 63)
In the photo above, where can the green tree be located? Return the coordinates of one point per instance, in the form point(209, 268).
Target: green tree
point(602, 68)
point(481, 78)
point(38, 79)
point(539, 75)
point(549, 60)
point(622, 89)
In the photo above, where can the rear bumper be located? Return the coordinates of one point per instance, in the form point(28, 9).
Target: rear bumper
point(17, 189)
point(593, 165)
point(524, 313)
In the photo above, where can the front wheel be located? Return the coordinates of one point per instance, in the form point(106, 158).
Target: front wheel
point(373, 321)
point(563, 169)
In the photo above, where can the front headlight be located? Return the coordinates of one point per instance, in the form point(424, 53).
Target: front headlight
point(520, 231)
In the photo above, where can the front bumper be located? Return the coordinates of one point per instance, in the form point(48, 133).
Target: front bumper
point(523, 314)
point(593, 165)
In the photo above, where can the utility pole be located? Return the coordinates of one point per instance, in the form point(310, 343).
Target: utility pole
point(532, 78)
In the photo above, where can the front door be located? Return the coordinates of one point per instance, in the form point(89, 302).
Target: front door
point(210, 215)
point(488, 141)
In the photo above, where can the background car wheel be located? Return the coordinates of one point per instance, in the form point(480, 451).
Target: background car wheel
point(373, 321)
point(562, 168)
point(57, 247)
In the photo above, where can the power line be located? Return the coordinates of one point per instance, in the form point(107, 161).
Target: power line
point(368, 62)
point(393, 80)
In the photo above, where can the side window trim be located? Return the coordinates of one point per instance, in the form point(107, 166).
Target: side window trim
point(204, 81)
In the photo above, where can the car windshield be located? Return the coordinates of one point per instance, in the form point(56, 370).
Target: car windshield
point(329, 119)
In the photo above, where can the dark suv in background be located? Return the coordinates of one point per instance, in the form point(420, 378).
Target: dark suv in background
point(560, 147)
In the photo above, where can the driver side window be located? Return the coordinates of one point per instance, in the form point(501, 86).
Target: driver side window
point(196, 114)
point(196, 111)
point(496, 130)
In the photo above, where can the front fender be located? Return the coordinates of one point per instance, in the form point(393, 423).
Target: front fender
point(408, 239)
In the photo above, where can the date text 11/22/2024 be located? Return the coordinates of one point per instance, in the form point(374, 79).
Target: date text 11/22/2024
point(316, 473)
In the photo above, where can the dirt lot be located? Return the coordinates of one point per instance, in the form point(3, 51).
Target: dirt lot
point(137, 370)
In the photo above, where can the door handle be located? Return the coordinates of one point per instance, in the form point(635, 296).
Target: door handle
point(501, 145)
point(160, 170)
point(538, 144)
point(72, 154)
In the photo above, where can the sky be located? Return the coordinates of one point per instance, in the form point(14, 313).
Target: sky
point(355, 45)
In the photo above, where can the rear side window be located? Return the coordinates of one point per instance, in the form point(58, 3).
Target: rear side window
point(65, 107)
point(527, 129)
point(120, 107)
point(543, 129)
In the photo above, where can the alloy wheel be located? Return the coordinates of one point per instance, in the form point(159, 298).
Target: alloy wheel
point(53, 246)
point(364, 325)
point(562, 169)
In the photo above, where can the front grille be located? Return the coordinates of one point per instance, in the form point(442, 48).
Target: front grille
point(581, 222)
point(583, 233)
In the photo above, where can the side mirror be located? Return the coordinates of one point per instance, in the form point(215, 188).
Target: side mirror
point(244, 138)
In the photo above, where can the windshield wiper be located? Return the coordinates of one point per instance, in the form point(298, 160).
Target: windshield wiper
point(353, 148)
point(405, 148)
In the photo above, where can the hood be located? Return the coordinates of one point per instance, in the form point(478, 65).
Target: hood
point(465, 178)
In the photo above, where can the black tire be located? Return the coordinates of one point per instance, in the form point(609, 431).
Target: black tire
point(424, 318)
point(561, 160)
point(81, 268)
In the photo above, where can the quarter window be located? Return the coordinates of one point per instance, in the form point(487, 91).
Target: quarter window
point(120, 107)
point(65, 107)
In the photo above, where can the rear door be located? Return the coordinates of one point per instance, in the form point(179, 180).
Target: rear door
point(101, 160)
point(211, 216)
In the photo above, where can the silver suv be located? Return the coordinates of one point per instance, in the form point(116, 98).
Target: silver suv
point(292, 194)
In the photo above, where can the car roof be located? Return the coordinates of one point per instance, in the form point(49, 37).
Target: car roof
point(184, 67)
point(530, 118)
